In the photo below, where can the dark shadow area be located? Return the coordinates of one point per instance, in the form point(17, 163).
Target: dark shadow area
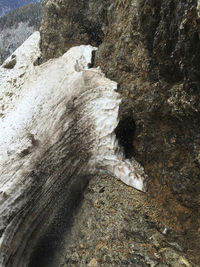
point(125, 133)
point(96, 35)
point(91, 65)
point(52, 241)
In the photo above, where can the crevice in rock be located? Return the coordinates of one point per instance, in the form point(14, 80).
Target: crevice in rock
point(124, 132)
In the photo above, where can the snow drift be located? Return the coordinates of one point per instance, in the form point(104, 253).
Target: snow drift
point(57, 124)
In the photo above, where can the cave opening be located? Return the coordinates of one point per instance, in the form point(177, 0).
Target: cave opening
point(125, 132)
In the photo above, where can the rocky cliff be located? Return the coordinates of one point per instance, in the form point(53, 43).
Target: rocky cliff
point(152, 49)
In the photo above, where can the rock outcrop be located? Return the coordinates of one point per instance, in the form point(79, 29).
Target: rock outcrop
point(156, 62)
point(72, 23)
point(151, 48)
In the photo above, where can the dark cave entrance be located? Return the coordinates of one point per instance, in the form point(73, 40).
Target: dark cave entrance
point(124, 132)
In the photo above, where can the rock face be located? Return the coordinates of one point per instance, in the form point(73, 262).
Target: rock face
point(152, 49)
point(58, 124)
point(156, 62)
point(78, 22)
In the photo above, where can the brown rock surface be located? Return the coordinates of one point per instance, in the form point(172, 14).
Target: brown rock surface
point(152, 51)
point(70, 23)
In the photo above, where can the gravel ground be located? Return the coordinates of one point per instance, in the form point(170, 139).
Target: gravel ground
point(115, 225)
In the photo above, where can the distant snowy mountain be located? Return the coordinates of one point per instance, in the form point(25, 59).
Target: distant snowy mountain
point(9, 5)
point(17, 26)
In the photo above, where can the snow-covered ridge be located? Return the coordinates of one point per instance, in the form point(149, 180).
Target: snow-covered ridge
point(22, 105)
point(13, 79)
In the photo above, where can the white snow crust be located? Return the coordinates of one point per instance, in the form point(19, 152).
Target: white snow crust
point(28, 94)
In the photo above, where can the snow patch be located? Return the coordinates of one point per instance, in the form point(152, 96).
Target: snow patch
point(28, 94)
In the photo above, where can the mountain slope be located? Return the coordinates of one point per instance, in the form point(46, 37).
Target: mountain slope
point(8, 5)
point(17, 26)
